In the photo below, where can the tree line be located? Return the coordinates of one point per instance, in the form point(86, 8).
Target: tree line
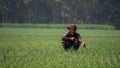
point(61, 11)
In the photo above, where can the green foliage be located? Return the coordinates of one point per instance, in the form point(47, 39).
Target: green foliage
point(58, 26)
point(41, 48)
point(60, 11)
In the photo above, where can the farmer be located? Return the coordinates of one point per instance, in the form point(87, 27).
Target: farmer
point(72, 39)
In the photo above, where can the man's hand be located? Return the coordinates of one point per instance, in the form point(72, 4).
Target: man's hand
point(73, 39)
point(84, 45)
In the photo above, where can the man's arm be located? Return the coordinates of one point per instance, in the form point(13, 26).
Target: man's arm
point(81, 41)
point(65, 38)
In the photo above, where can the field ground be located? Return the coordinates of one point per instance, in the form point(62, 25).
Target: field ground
point(41, 48)
point(57, 26)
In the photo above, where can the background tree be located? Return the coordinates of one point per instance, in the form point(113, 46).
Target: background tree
point(61, 11)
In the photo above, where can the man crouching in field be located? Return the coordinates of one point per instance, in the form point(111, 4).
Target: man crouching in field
point(72, 39)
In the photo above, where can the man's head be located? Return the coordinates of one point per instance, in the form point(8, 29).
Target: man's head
point(72, 28)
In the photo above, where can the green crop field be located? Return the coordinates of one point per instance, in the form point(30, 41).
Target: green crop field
point(57, 26)
point(41, 48)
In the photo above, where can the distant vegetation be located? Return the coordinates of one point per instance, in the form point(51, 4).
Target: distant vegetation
point(61, 11)
point(58, 26)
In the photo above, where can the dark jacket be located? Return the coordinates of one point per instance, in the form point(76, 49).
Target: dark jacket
point(68, 35)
